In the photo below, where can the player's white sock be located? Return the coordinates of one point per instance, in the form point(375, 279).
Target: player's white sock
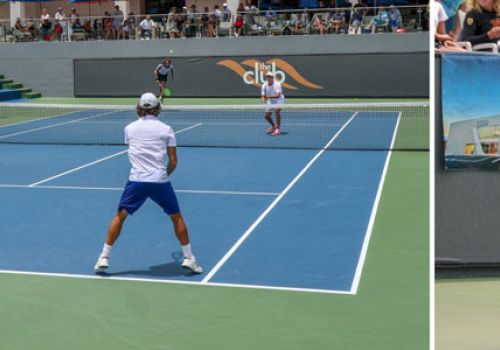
point(186, 249)
point(106, 250)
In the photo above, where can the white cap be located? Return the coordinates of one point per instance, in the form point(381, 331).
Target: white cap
point(148, 101)
point(269, 74)
point(224, 4)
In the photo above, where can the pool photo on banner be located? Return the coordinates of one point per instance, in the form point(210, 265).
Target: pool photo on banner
point(471, 111)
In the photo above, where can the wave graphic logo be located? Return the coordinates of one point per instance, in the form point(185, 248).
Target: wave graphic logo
point(255, 74)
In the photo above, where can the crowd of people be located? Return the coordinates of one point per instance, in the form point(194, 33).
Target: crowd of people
point(466, 23)
point(206, 22)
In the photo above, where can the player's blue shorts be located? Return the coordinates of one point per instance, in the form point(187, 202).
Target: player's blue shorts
point(135, 194)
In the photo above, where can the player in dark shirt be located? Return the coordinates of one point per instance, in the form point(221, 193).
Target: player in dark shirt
point(482, 23)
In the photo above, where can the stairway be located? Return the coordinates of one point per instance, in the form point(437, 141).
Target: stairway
point(9, 90)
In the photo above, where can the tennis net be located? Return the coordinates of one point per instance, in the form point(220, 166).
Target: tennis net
point(367, 126)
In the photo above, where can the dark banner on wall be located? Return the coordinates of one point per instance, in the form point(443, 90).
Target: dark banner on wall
point(353, 75)
point(471, 110)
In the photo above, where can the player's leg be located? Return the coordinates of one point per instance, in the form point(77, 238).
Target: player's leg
point(132, 198)
point(276, 131)
point(162, 84)
point(268, 117)
point(163, 194)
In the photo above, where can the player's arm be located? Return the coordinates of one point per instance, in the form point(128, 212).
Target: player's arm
point(155, 73)
point(172, 71)
point(263, 94)
point(172, 159)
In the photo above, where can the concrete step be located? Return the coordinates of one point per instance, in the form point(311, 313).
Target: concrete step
point(24, 90)
point(32, 95)
point(12, 86)
point(6, 95)
point(5, 81)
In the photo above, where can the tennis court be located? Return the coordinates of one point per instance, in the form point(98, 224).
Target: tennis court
point(315, 238)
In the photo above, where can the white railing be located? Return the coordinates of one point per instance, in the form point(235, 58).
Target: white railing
point(182, 24)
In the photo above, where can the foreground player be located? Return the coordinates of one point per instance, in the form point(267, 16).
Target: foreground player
point(161, 75)
point(149, 142)
point(271, 94)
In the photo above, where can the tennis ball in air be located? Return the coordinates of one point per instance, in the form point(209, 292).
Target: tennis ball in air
point(171, 51)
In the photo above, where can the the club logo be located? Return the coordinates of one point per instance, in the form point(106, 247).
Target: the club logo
point(256, 74)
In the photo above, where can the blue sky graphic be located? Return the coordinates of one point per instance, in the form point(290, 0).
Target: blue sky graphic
point(470, 87)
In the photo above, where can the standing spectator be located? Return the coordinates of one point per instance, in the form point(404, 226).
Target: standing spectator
point(217, 13)
point(250, 12)
point(147, 26)
point(226, 13)
point(133, 22)
point(117, 20)
point(107, 24)
point(191, 24)
point(171, 24)
point(125, 30)
point(241, 9)
point(182, 22)
point(394, 18)
point(45, 26)
point(61, 17)
point(45, 15)
point(73, 17)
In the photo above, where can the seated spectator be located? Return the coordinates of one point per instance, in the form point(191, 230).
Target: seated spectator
point(72, 19)
point(318, 23)
point(88, 30)
point(482, 24)
point(240, 9)
point(442, 41)
point(77, 26)
point(250, 12)
point(133, 22)
point(271, 17)
point(19, 26)
point(238, 25)
point(125, 30)
point(355, 24)
point(336, 20)
point(209, 23)
point(107, 25)
point(381, 20)
point(394, 18)
point(181, 22)
point(45, 29)
point(226, 13)
point(147, 26)
point(57, 31)
point(171, 24)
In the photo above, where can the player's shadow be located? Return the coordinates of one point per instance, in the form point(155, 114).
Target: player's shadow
point(171, 269)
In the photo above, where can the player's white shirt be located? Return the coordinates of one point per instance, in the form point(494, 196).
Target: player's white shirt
point(148, 139)
point(272, 90)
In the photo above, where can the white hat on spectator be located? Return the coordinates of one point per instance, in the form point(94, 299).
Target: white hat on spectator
point(224, 4)
point(148, 101)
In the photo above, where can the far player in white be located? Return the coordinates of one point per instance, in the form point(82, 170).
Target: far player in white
point(271, 94)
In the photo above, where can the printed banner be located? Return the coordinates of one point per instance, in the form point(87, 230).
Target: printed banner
point(471, 110)
point(349, 75)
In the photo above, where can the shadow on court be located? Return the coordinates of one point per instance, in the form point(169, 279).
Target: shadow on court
point(171, 269)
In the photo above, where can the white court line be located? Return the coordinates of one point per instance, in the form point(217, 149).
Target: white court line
point(177, 282)
point(97, 161)
point(274, 203)
point(38, 119)
point(371, 222)
point(54, 125)
point(236, 193)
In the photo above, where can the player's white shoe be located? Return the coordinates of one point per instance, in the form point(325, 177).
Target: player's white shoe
point(271, 129)
point(102, 264)
point(276, 132)
point(191, 265)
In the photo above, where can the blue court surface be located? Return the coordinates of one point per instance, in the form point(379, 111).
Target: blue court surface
point(268, 218)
